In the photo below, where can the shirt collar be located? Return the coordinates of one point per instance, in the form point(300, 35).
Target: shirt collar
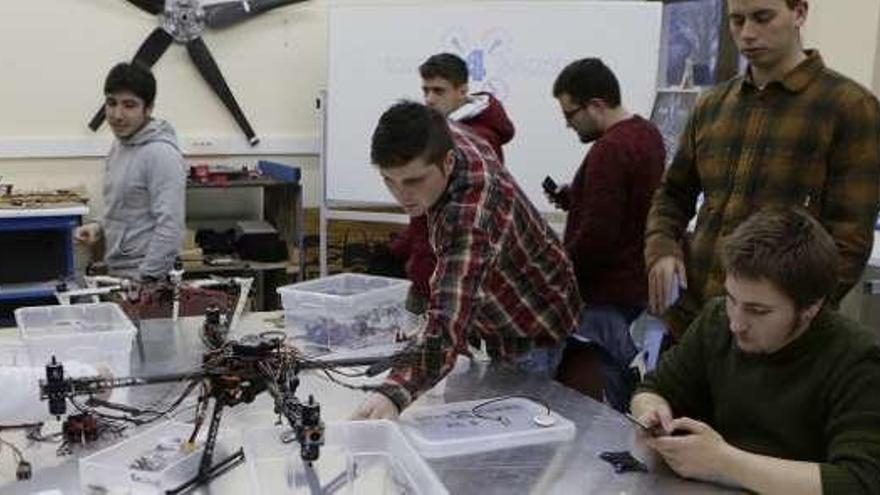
point(457, 179)
point(797, 79)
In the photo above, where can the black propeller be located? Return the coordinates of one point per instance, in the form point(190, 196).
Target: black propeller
point(200, 55)
point(154, 7)
point(223, 14)
point(183, 21)
point(149, 52)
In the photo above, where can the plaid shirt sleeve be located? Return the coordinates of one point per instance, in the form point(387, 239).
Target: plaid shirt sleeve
point(852, 191)
point(463, 256)
point(674, 201)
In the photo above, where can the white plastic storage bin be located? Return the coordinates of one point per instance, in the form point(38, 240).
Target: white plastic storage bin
point(347, 311)
point(13, 353)
point(149, 463)
point(358, 458)
point(98, 334)
point(456, 429)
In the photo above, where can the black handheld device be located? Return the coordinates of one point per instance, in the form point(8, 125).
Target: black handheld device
point(623, 462)
point(550, 186)
point(656, 431)
point(649, 431)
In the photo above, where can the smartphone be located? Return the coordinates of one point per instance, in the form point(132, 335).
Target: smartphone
point(656, 431)
point(550, 186)
point(649, 431)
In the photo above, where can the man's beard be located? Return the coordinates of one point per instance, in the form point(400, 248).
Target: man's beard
point(793, 333)
point(589, 137)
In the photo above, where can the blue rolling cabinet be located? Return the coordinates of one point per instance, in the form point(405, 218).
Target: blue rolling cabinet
point(37, 252)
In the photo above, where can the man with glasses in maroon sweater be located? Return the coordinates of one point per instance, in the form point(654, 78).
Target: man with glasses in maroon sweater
point(607, 204)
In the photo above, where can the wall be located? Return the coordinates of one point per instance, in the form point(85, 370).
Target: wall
point(53, 48)
point(847, 33)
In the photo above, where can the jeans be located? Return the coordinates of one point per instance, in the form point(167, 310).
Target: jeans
point(538, 361)
point(416, 303)
point(606, 327)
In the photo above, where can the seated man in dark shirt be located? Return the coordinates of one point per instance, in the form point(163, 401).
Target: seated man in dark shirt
point(770, 390)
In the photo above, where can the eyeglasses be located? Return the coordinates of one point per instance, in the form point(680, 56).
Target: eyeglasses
point(569, 114)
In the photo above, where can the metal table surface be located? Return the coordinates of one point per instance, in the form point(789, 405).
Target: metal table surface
point(560, 468)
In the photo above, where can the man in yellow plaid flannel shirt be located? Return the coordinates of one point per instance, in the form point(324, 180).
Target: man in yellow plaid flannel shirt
point(788, 132)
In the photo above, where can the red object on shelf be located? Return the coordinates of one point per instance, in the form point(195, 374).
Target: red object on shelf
point(219, 179)
point(200, 173)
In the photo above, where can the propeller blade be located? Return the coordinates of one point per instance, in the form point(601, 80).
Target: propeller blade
point(98, 119)
point(148, 53)
point(154, 7)
point(223, 14)
point(153, 47)
point(200, 55)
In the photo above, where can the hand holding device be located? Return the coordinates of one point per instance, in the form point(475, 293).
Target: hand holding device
point(557, 195)
point(550, 186)
point(655, 431)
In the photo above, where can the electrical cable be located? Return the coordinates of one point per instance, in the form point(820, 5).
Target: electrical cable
point(20, 426)
point(15, 450)
point(501, 419)
point(35, 434)
point(361, 388)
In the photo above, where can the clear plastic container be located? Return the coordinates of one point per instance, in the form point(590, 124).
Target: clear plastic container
point(98, 334)
point(456, 429)
point(149, 463)
point(347, 311)
point(358, 458)
point(13, 353)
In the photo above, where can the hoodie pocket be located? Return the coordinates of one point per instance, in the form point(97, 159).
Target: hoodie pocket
point(133, 242)
point(125, 240)
point(114, 232)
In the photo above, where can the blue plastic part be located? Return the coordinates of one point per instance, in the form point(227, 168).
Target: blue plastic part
point(65, 224)
point(279, 171)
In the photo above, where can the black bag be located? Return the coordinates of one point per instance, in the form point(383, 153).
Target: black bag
point(372, 257)
point(214, 242)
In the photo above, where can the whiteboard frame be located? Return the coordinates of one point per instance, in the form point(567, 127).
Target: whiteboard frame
point(341, 209)
point(527, 66)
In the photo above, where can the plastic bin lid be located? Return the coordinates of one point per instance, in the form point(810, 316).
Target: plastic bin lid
point(344, 285)
point(498, 423)
point(58, 321)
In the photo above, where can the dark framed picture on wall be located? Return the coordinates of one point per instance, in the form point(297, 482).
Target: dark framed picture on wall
point(691, 40)
point(670, 113)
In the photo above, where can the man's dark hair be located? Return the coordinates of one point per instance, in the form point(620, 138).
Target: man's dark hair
point(787, 247)
point(134, 77)
point(407, 131)
point(446, 66)
point(585, 79)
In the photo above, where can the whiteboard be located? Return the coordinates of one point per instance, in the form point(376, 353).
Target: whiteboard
point(513, 49)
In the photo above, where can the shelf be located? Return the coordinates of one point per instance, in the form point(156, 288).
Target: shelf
point(14, 292)
point(274, 196)
point(235, 266)
point(75, 211)
point(260, 182)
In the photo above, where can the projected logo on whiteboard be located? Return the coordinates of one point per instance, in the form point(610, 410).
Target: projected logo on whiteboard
point(493, 63)
point(488, 56)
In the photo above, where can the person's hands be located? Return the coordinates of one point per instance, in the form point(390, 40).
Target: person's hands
point(696, 450)
point(376, 406)
point(87, 234)
point(662, 282)
point(559, 199)
point(658, 419)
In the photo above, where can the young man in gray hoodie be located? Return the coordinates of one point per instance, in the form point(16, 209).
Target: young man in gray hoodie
point(144, 182)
